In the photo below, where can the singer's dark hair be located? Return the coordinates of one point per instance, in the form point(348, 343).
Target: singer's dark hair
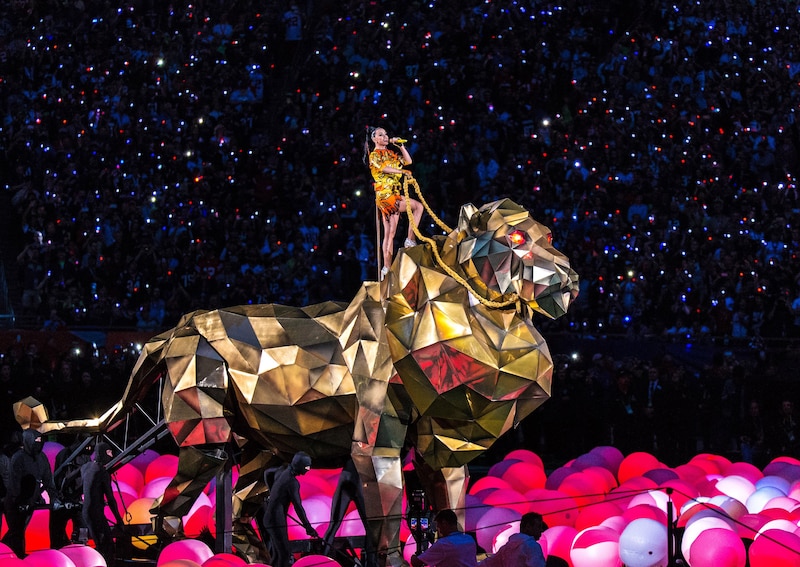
point(367, 139)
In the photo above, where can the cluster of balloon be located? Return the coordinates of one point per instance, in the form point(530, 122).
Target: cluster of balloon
point(197, 554)
point(606, 509)
point(68, 556)
point(603, 509)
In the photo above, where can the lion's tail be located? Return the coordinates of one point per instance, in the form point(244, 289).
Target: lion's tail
point(30, 413)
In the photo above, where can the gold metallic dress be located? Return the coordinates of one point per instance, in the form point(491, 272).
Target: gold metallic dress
point(388, 186)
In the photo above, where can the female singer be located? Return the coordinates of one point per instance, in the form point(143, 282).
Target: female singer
point(388, 170)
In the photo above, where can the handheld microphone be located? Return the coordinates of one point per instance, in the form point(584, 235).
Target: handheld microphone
point(400, 140)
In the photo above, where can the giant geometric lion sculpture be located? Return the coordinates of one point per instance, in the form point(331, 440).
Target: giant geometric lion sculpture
point(441, 357)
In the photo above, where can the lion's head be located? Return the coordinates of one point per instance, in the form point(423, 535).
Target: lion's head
point(500, 246)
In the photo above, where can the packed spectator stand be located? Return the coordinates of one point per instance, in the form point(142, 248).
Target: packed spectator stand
point(162, 157)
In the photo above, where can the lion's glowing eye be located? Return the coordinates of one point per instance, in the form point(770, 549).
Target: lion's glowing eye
point(550, 238)
point(516, 238)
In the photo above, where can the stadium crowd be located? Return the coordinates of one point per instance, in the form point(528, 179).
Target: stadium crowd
point(168, 156)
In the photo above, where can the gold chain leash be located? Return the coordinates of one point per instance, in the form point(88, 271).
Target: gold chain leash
point(513, 300)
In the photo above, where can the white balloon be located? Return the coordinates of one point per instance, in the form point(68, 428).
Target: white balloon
point(643, 543)
point(736, 487)
point(776, 482)
point(756, 502)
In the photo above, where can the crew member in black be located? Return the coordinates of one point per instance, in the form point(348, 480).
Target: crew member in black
point(96, 492)
point(67, 477)
point(348, 489)
point(29, 475)
point(283, 491)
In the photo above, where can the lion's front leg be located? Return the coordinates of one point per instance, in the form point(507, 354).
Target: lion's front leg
point(382, 480)
point(446, 488)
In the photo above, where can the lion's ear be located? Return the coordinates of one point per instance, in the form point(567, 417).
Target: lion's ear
point(466, 222)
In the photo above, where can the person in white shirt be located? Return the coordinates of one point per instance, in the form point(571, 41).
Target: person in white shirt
point(452, 548)
point(522, 549)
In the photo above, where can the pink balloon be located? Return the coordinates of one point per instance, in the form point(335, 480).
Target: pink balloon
point(316, 561)
point(557, 477)
point(202, 501)
point(712, 464)
point(352, 525)
point(498, 469)
point(718, 547)
point(11, 561)
point(596, 547)
point(557, 541)
point(556, 507)
point(318, 510)
point(525, 476)
point(312, 485)
point(37, 534)
point(224, 560)
point(526, 456)
point(163, 465)
point(198, 521)
point(124, 501)
point(494, 520)
point(586, 489)
point(625, 492)
point(83, 555)
point(488, 482)
point(697, 527)
point(655, 498)
point(708, 487)
point(48, 558)
point(180, 563)
point(690, 473)
point(125, 488)
point(409, 549)
point(603, 476)
point(155, 487)
point(774, 547)
point(501, 538)
point(616, 523)
point(507, 499)
point(50, 450)
point(776, 514)
point(748, 525)
point(5, 551)
point(594, 515)
point(192, 549)
point(130, 475)
point(645, 511)
point(636, 464)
